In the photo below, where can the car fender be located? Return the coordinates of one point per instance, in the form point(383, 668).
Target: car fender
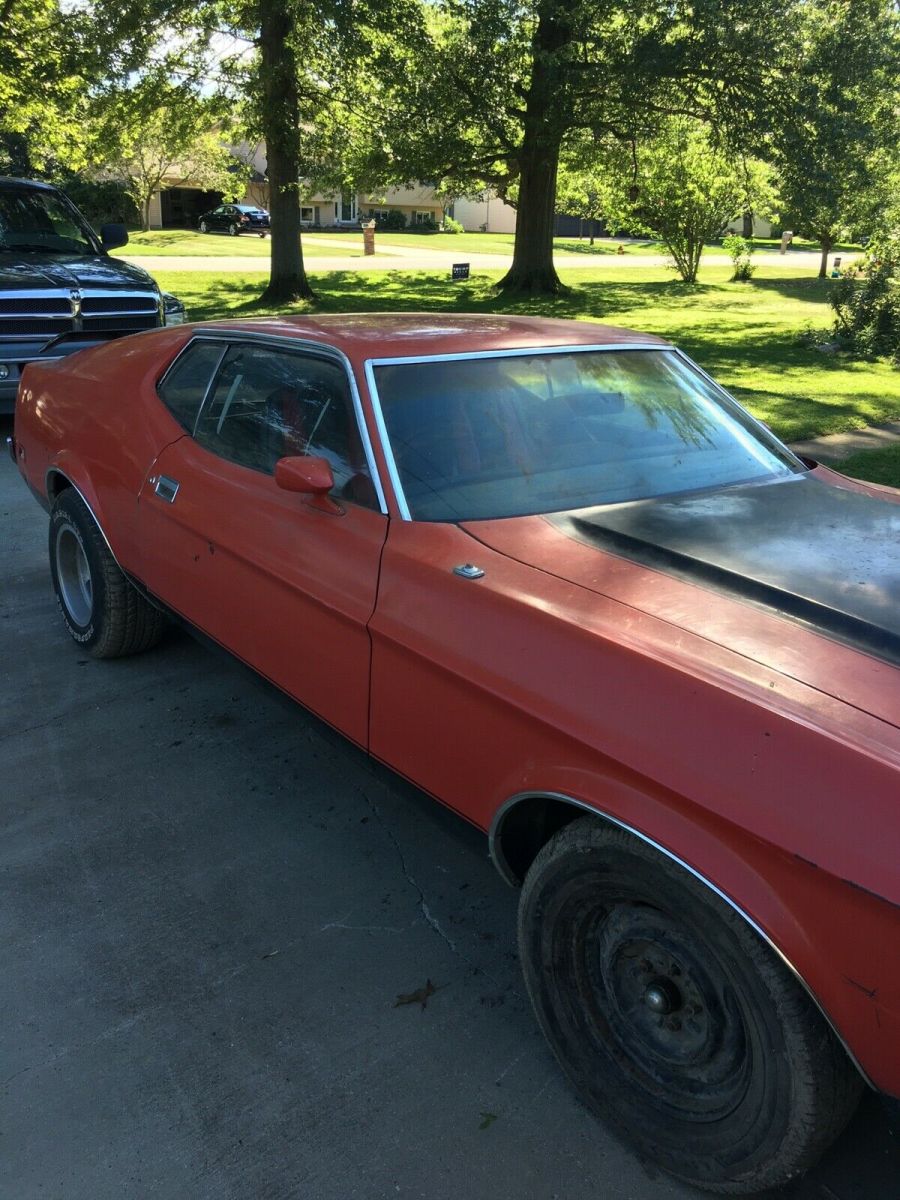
point(795, 907)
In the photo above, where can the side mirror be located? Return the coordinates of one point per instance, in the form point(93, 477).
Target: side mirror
point(303, 473)
point(113, 235)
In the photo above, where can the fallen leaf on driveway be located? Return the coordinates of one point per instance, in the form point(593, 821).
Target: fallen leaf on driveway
point(420, 996)
point(487, 1120)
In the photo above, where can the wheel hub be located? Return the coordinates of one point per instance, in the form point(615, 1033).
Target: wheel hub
point(672, 1021)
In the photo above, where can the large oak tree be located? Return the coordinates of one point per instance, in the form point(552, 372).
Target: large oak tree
point(502, 84)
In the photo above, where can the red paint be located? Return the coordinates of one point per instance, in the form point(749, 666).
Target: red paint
point(761, 753)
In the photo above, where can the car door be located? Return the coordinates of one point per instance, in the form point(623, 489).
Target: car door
point(285, 581)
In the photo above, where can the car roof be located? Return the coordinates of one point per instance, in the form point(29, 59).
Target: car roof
point(413, 335)
point(31, 183)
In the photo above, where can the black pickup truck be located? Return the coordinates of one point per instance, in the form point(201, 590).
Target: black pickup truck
point(59, 289)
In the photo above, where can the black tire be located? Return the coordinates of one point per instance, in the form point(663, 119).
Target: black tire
point(100, 609)
point(673, 1019)
point(204, 228)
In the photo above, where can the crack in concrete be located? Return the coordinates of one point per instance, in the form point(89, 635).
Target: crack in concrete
point(422, 903)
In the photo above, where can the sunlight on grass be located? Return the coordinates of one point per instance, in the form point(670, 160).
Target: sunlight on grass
point(744, 334)
point(877, 466)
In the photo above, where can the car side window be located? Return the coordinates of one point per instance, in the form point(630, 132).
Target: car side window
point(185, 385)
point(269, 404)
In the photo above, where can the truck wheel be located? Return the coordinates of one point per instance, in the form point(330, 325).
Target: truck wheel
point(100, 608)
point(674, 1021)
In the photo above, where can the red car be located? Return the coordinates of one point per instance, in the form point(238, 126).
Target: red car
point(553, 574)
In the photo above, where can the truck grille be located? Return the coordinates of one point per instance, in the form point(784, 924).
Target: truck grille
point(33, 326)
point(34, 305)
point(119, 304)
point(51, 315)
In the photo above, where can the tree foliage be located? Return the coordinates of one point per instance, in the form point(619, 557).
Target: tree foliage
point(836, 148)
point(686, 190)
point(499, 87)
point(157, 134)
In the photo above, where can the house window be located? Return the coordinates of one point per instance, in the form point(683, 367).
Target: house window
point(348, 207)
point(422, 218)
point(306, 215)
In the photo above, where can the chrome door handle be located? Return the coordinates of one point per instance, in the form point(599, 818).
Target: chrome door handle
point(166, 488)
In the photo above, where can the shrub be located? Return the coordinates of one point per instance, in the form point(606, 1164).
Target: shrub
point(429, 225)
point(451, 226)
point(101, 202)
point(867, 311)
point(392, 221)
point(739, 250)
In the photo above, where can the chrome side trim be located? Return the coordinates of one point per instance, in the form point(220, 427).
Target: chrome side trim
point(519, 352)
point(86, 503)
point(503, 867)
point(234, 337)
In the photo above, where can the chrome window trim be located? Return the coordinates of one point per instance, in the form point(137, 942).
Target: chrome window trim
point(462, 356)
point(282, 342)
point(161, 382)
point(506, 873)
point(387, 449)
point(766, 434)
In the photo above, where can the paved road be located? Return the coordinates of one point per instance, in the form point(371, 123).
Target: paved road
point(404, 258)
point(210, 906)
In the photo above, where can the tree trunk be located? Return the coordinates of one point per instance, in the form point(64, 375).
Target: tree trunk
point(281, 130)
point(827, 243)
point(748, 224)
point(145, 212)
point(532, 267)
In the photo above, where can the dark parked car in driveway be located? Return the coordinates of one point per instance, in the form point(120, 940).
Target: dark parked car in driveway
point(235, 219)
point(59, 289)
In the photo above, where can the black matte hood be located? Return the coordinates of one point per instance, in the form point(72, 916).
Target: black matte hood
point(826, 556)
point(51, 271)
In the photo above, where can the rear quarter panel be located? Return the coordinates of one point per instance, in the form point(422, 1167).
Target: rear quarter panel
point(96, 418)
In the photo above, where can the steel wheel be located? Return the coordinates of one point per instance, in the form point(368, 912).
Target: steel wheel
point(73, 573)
point(673, 1019)
point(100, 608)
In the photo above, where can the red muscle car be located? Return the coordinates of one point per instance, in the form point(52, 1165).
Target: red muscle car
point(553, 574)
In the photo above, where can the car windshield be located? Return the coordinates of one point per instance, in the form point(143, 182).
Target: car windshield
point(509, 435)
point(33, 221)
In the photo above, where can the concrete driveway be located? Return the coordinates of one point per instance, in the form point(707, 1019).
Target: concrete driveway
point(211, 905)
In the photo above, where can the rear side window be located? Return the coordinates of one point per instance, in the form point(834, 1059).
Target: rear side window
point(184, 387)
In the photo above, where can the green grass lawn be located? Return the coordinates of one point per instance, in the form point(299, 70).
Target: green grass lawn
point(745, 334)
point(878, 466)
point(166, 242)
point(190, 242)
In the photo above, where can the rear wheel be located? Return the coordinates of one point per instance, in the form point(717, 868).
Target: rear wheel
point(100, 609)
point(204, 228)
point(234, 230)
point(672, 1018)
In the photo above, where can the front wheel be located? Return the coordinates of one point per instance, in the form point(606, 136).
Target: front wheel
point(100, 609)
point(204, 228)
point(234, 230)
point(673, 1019)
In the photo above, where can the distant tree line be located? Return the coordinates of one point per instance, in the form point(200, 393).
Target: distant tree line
point(663, 117)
